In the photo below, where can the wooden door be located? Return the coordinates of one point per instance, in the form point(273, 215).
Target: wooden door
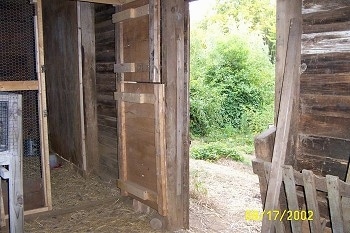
point(140, 104)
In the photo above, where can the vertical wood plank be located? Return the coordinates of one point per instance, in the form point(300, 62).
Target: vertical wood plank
point(311, 200)
point(44, 141)
point(119, 56)
point(345, 201)
point(186, 113)
point(160, 143)
point(173, 76)
point(334, 201)
point(16, 171)
point(89, 85)
point(154, 39)
point(284, 121)
point(289, 184)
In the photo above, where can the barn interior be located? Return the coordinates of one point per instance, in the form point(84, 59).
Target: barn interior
point(68, 59)
point(82, 67)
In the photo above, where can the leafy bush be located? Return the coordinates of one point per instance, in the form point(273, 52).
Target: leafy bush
point(214, 151)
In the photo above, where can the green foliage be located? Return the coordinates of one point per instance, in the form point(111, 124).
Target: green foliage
point(232, 78)
point(214, 151)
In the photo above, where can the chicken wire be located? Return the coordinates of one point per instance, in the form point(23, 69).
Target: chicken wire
point(18, 63)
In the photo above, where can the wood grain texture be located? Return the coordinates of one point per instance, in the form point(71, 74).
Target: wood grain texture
point(174, 78)
point(264, 144)
point(285, 125)
point(105, 87)
point(61, 50)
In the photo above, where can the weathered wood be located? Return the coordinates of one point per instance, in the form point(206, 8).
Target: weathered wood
point(324, 126)
point(19, 85)
point(325, 84)
point(331, 15)
point(325, 105)
point(135, 98)
point(326, 42)
point(264, 144)
point(321, 165)
point(130, 67)
point(318, 28)
point(289, 184)
point(326, 63)
point(89, 86)
point(154, 40)
point(130, 14)
point(112, 2)
point(291, 76)
point(44, 141)
point(311, 200)
point(335, 204)
point(63, 87)
point(138, 190)
point(174, 78)
point(286, 10)
point(324, 147)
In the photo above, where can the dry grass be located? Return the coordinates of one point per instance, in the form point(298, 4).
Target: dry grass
point(220, 195)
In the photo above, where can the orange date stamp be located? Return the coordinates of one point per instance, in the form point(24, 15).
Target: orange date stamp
point(279, 215)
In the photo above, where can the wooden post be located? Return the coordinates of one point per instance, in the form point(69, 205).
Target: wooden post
point(176, 96)
point(291, 76)
point(89, 85)
point(44, 141)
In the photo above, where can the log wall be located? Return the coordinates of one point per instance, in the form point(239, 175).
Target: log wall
point(324, 139)
point(106, 86)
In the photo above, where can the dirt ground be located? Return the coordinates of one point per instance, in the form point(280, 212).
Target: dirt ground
point(220, 194)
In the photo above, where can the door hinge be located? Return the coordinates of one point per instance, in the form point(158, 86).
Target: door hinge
point(42, 69)
point(45, 113)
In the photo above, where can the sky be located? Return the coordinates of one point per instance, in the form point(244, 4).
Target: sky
point(198, 9)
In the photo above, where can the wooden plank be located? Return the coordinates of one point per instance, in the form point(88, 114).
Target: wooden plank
point(186, 121)
point(325, 105)
point(325, 84)
point(322, 165)
point(326, 63)
point(135, 98)
point(160, 144)
point(112, 2)
point(89, 86)
point(130, 14)
point(154, 40)
point(311, 200)
point(289, 184)
point(130, 67)
point(330, 15)
point(335, 204)
point(19, 85)
point(44, 141)
point(284, 121)
point(345, 202)
point(286, 10)
point(264, 144)
point(326, 42)
point(324, 126)
point(137, 190)
point(324, 147)
point(318, 28)
point(173, 76)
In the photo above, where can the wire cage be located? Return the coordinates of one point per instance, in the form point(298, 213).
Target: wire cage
point(18, 64)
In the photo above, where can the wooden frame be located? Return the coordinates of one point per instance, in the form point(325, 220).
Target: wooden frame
point(42, 108)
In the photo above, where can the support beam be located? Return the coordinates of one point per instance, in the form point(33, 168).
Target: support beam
point(284, 122)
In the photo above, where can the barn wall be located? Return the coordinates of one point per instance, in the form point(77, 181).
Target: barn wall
point(324, 139)
point(106, 86)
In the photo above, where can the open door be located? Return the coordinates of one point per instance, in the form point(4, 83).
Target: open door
point(141, 104)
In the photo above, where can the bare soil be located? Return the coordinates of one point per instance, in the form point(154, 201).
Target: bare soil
point(220, 194)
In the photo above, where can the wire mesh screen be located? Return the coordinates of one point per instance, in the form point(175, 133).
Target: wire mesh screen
point(10, 122)
point(17, 63)
point(4, 127)
point(17, 47)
